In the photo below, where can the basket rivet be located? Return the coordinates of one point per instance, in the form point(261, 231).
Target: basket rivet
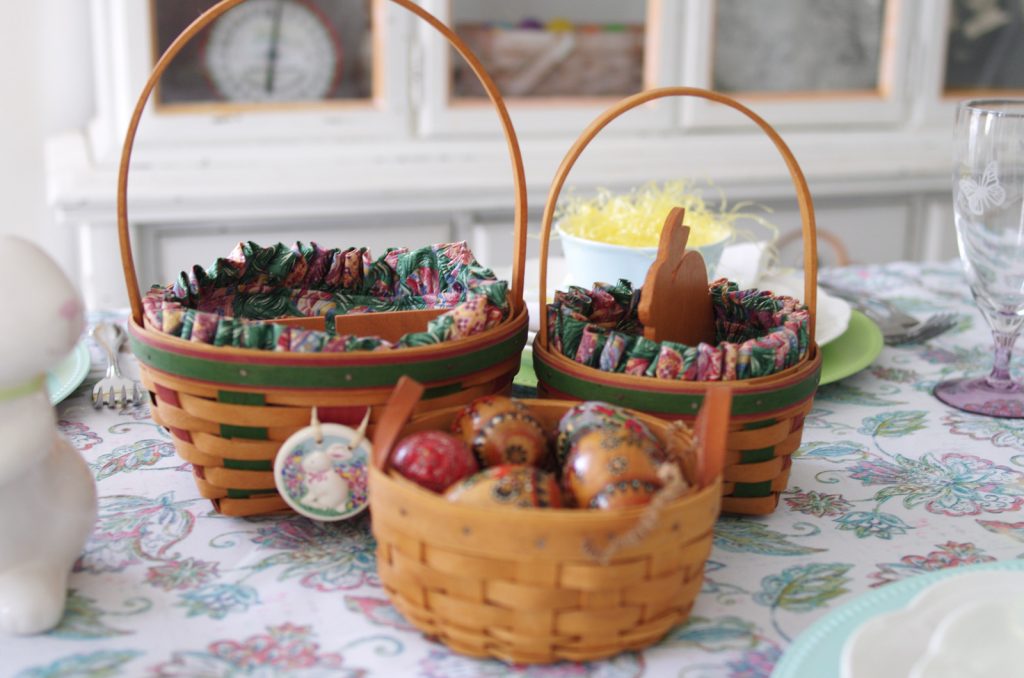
point(693, 406)
point(467, 531)
point(402, 511)
point(540, 543)
point(675, 527)
point(243, 373)
point(348, 377)
point(758, 402)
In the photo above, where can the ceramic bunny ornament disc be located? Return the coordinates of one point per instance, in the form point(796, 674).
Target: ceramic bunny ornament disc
point(321, 470)
point(47, 493)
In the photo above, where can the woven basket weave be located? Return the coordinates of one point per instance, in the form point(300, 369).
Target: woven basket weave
point(767, 413)
point(522, 585)
point(229, 409)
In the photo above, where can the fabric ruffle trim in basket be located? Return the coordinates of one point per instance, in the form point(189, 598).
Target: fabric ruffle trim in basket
point(228, 304)
point(758, 334)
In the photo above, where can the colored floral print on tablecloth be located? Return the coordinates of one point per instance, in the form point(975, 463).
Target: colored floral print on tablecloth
point(950, 554)
point(953, 484)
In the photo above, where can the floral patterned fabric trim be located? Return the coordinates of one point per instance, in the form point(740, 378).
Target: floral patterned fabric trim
point(228, 303)
point(757, 334)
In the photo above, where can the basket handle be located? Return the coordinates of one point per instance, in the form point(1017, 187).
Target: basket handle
point(211, 15)
point(401, 403)
point(803, 194)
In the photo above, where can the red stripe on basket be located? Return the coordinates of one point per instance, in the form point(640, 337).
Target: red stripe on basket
point(167, 395)
point(798, 422)
point(181, 434)
point(348, 416)
point(275, 358)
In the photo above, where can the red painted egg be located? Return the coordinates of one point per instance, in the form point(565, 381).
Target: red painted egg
point(433, 459)
point(501, 431)
point(611, 467)
point(508, 485)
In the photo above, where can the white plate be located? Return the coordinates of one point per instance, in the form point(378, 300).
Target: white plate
point(833, 313)
point(817, 650)
point(975, 617)
point(69, 374)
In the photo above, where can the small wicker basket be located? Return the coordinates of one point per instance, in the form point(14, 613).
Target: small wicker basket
point(524, 585)
point(767, 412)
point(229, 409)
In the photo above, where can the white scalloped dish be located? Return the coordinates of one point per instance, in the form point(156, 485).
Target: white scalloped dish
point(964, 626)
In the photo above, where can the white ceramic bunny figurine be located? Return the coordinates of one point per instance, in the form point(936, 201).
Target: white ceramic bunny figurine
point(47, 493)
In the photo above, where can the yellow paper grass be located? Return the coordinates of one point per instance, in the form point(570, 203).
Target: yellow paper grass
point(636, 219)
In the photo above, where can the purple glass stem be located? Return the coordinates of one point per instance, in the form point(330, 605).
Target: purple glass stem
point(1000, 376)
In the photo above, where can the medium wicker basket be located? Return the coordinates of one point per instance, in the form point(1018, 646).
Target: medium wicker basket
point(524, 585)
point(229, 409)
point(767, 412)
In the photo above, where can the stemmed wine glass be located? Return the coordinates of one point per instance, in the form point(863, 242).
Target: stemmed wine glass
point(988, 207)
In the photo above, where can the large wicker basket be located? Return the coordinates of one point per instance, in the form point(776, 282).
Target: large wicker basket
point(229, 409)
point(767, 412)
point(524, 585)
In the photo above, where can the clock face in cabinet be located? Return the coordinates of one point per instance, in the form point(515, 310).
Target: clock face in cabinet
point(273, 50)
point(267, 52)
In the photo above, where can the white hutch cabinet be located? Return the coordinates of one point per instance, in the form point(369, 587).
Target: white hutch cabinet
point(401, 151)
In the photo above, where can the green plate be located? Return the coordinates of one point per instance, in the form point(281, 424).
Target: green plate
point(852, 351)
point(69, 374)
point(817, 651)
point(526, 377)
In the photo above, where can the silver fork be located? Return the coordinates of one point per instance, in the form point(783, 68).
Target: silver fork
point(113, 390)
point(897, 326)
point(929, 329)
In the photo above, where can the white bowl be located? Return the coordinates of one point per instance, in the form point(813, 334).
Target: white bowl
point(590, 261)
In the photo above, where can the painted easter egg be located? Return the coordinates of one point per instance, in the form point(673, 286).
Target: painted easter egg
point(508, 485)
point(611, 467)
point(500, 431)
point(433, 459)
point(594, 414)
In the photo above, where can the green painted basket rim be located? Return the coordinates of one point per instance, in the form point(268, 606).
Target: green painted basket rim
point(683, 398)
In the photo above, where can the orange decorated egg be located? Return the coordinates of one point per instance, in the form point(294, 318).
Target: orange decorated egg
point(508, 485)
point(433, 459)
point(594, 414)
point(500, 431)
point(612, 467)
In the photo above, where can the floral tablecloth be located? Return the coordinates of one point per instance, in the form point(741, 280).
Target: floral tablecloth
point(888, 483)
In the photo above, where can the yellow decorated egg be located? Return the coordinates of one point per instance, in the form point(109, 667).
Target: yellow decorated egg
point(611, 467)
point(500, 431)
point(508, 485)
point(594, 414)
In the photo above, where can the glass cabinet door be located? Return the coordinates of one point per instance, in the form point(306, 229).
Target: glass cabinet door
point(803, 46)
point(985, 46)
point(552, 49)
point(268, 51)
point(557, 63)
point(801, 62)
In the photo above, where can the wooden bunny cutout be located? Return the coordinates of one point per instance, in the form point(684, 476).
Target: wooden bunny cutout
point(675, 304)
